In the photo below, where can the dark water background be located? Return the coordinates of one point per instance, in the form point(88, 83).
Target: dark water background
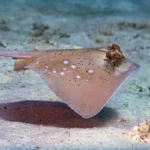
point(79, 7)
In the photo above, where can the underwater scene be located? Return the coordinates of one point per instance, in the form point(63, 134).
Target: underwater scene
point(74, 74)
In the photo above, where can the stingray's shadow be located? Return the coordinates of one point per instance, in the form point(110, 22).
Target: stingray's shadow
point(53, 114)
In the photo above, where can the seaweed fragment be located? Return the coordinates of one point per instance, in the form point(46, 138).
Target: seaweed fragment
point(134, 25)
point(39, 29)
point(114, 56)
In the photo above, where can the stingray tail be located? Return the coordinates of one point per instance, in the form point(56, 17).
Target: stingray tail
point(22, 59)
point(20, 64)
point(17, 54)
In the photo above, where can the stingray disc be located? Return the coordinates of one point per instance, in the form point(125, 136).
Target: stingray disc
point(84, 79)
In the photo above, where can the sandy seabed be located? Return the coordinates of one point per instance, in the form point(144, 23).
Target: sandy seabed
point(32, 117)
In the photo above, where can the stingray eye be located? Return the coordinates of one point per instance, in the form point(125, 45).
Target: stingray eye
point(62, 73)
point(90, 71)
point(54, 70)
point(66, 62)
point(73, 66)
point(78, 77)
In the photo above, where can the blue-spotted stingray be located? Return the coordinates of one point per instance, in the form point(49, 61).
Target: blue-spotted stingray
point(85, 79)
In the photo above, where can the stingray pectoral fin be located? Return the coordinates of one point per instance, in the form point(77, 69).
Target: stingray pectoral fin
point(88, 98)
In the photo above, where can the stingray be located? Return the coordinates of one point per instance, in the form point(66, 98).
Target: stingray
point(85, 79)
